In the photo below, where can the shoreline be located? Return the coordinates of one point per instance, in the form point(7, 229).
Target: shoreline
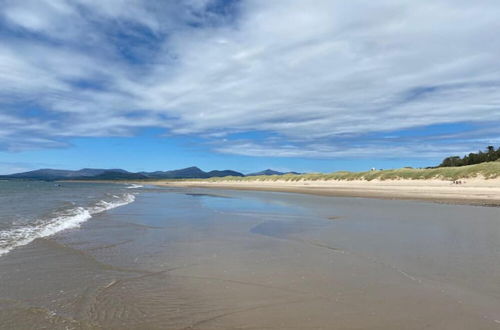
point(478, 192)
point(184, 258)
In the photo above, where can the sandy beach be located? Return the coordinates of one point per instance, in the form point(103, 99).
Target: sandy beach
point(474, 191)
point(198, 258)
point(249, 165)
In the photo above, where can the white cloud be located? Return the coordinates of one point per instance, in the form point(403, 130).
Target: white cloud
point(365, 149)
point(308, 73)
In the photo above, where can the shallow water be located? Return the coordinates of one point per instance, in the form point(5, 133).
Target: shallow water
point(216, 259)
point(34, 209)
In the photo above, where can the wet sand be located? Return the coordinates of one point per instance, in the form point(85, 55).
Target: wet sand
point(193, 258)
point(473, 191)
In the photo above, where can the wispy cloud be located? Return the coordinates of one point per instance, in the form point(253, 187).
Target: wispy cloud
point(321, 78)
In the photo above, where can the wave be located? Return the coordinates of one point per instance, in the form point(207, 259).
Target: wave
point(71, 218)
point(134, 186)
point(102, 205)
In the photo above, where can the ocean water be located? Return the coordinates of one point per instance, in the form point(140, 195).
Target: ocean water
point(34, 209)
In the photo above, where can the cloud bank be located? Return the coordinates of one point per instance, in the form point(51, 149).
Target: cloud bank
point(254, 77)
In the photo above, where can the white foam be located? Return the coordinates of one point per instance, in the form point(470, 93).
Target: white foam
point(102, 206)
point(134, 186)
point(71, 219)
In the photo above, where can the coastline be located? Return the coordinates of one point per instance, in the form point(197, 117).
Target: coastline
point(472, 191)
point(195, 259)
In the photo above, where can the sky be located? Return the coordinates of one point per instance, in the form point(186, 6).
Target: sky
point(299, 85)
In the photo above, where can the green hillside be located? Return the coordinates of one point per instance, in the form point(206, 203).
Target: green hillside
point(489, 170)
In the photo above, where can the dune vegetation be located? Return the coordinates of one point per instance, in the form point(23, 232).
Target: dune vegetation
point(489, 170)
point(489, 155)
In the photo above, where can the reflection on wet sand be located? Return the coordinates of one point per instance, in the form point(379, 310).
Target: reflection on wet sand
point(191, 259)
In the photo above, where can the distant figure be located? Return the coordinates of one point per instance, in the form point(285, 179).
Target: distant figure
point(373, 169)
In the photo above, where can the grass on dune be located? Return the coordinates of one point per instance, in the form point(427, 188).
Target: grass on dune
point(488, 170)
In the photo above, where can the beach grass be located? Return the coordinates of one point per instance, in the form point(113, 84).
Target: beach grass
point(489, 170)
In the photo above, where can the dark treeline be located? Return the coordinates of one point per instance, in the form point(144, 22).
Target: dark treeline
point(489, 155)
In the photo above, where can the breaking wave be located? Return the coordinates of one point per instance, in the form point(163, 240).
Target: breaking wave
point(134, 186)
point(60, 220)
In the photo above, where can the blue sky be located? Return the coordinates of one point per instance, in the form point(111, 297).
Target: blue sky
point(246, 84)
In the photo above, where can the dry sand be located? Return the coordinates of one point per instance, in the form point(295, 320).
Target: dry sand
point(475, 191)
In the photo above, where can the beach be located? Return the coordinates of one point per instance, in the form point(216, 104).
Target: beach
point(249, 165)
point(475, 191)
point(203, 258)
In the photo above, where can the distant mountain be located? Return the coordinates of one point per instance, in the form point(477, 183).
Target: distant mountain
point(270, 172)
point(85, 173)
point(190, 173)
point(51, 174)
point(97, 171)
point(185, 173)
point(115, 175)
point(224, 173)
point(42, 174)
point(118, 174)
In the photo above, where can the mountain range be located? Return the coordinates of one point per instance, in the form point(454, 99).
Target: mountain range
point(270, 172)
point(119, 174)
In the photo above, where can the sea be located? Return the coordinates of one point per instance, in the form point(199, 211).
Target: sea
point(36, 209)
